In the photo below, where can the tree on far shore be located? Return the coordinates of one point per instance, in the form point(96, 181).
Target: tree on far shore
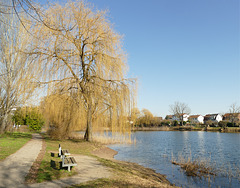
point(179, 109)
point(234, 110)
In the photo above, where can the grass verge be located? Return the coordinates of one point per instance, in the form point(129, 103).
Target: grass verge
point(11, 142)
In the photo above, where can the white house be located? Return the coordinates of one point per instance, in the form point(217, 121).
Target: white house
point(196, 119)
point(213, 117)
point(185, 117)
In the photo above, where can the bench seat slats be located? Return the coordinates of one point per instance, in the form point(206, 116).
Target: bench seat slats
point(69, 161)
point(73, 160)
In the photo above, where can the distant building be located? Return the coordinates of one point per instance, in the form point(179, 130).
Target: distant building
point(196, 119)
point(231, 117)
point(213, 117)
point(169, 117)
point(184, 116)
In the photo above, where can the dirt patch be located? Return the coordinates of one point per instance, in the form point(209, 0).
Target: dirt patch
point(105, 152)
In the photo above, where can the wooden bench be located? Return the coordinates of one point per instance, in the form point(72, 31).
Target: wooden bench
point(68, 162)
point(62, 152)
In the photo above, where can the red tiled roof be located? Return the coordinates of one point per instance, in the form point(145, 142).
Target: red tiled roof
point(193, 116)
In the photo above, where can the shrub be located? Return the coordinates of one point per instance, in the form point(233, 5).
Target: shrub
point(222, 124)
point(175, 123)
point(165, 123)
point(35, 121)
point(29, 116)
point(230, 124)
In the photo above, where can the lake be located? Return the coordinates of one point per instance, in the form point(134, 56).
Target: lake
point(156, 149)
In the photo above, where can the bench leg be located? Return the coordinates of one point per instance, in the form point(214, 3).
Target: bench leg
point(69, 168)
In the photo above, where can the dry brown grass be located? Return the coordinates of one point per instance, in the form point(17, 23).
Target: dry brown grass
point(206, 168)
point(134, 175)
point(106, 140)
point(197, 167)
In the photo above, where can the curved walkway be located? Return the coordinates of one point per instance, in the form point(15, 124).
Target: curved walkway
point(15, 167)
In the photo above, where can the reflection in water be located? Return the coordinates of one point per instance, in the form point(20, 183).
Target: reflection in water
point(219, 146)
point(156, 149)
point(201, 142)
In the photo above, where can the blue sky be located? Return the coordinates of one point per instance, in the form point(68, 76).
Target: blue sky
point(180, 50)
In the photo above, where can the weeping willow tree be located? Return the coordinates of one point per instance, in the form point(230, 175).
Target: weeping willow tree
point(85, 68)
point(16, 68)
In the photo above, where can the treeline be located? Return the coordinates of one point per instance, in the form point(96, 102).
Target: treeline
point(145, 118)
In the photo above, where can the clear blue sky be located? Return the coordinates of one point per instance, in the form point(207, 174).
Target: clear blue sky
point(181, 50)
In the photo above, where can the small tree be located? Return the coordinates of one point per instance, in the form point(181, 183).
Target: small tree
point(234, 111)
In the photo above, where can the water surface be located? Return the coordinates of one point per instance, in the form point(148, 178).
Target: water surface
point(156, 149)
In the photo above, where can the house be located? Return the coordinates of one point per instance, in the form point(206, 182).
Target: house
point(213, 117)
point(196, 119)
point(184, 116)
point(169, 117)
point(231, 117)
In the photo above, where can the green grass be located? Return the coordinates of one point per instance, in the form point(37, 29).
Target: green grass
point(11, 142)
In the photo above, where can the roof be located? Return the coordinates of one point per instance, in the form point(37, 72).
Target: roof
point(209, 115)
point(230, 114)
point(194, 116)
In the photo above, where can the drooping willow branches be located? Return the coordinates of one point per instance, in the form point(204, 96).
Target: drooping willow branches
point(18, 72)
point(85, 69)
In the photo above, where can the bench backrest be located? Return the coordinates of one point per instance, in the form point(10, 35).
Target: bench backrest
point(59, 150)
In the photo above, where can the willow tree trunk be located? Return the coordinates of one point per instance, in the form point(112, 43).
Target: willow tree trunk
point(88, 133)
point(4, 123)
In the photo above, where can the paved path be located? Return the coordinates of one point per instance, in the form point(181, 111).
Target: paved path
point(16, 166)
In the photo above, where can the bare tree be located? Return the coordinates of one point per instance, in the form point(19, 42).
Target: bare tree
point(179, 109)
point(16, 68)
point(234, 111)
point(82, 56)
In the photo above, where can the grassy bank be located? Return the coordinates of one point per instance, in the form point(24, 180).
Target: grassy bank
point(11, 142)
point(123, 174)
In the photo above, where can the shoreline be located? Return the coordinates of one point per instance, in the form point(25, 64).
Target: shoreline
point(108, 154)
point(105, 152)
point(189, 128)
